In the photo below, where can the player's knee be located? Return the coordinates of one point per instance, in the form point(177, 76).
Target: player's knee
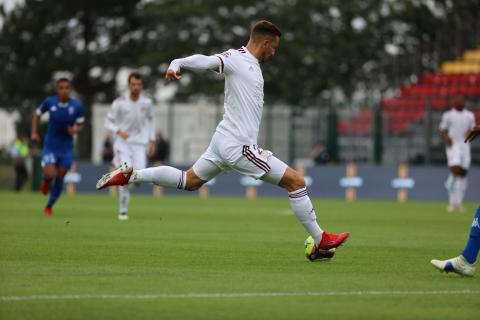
point(459, 171)
point(193, 182)
point(50, 172)
point(193, 186)
point(298, 182)
point(292, 180)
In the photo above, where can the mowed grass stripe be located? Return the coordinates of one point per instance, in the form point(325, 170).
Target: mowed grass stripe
point(240, 295)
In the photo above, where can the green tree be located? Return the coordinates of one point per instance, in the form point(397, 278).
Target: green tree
point(89, 39)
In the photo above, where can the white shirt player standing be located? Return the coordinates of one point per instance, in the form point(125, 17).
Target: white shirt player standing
point(234, 144)
point(454, 127)
point(131, 121)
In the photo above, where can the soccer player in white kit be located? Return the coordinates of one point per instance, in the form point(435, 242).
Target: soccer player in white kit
point(131, 121)
point(234, 144)
point(454, 127)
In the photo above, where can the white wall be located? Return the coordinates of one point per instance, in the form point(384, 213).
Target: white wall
point(7, 128)
point(187, 127)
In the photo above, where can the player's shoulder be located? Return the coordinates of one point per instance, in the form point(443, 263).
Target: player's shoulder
point(448, 113)
point(76, 102)
point(469, 113)
point(51, 100)
point(119, 100)
point(233, 53)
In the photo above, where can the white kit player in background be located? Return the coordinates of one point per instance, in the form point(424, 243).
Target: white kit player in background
point(454, 127)
point(131, 121)
point(234, 144)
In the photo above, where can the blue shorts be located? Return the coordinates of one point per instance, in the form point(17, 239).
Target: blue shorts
point(62, 159)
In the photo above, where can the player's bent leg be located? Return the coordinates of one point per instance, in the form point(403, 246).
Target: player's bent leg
point(302, 206)
point(125, 174)
point(49, 173)
point(164, 176)
point(473, 244)
point(300, 202)
point(124, 200)
point(56, 190)
point(456, 186)
point(193, 182)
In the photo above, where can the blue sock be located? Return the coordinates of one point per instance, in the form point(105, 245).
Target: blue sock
point(470, 252)
point(55, 192)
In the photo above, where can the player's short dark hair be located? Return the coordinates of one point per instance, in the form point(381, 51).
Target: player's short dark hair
point(135, 75)
point(63, 80)
point(264, 28)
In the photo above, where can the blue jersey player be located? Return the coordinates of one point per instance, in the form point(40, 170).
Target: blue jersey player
point(66, 118)
point(465, 264)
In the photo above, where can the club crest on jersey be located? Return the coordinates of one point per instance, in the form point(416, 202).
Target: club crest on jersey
point(226, 54)
point(53, 108)
point(71, 110)
point(251, 68)
point(475, 223)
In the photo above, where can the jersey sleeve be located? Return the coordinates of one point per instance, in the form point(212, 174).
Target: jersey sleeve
point(80, 113)
point(445, 123)
point(196, 62)
point(111, 119)
point(226, 62)
point(151, 122)
point(44, 107)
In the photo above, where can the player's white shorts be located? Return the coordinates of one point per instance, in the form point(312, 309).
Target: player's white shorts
point(134, 154)
point(224, 154)
point(459, 155)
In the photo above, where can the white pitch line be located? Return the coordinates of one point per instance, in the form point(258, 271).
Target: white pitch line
point(238, 295)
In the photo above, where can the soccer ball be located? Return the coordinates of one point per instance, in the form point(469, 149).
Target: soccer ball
point(314, 254)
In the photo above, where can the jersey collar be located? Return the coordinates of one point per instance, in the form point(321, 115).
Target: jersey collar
point(66, 104)
point(250, 54)
point(127, 96)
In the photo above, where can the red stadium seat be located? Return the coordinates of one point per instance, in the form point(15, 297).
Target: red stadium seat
point(438, 103)
point(427, 78)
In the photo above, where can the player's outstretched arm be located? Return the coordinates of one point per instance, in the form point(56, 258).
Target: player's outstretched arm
point(195, 62)
point(472, 134)
point(35, 137)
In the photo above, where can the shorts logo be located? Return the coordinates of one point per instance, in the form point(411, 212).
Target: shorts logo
point(48, 158)
point(260, 163)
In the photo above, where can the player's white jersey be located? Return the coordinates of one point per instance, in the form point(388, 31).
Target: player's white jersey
point(457, 124)
point(134, 117)
point(243, 95)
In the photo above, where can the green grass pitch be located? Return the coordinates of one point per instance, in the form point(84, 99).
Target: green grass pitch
point(228, 258)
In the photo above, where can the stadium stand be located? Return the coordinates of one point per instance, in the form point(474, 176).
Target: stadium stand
point(433, 90)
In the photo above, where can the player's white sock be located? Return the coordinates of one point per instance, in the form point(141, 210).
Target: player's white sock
point(450, 185)
point(164, 176)
point(303, 208)
point(124, 198)
point(461, 187)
